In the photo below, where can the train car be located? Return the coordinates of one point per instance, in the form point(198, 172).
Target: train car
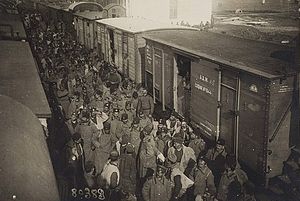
point(240, 90)
point(85, 6)
point(114, 10)
point(11, 27)
point(120, 41)
point(20, 79)
point(26, 169)
point(57, 16)
point(85, 26)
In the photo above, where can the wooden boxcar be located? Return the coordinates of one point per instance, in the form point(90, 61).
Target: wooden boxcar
point(26, 169)
point(57, 16)
point(85, 26)
point(20, 79)
point(120, 41)
point(240, 90)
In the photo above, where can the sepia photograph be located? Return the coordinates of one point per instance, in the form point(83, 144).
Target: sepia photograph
point(149, 100)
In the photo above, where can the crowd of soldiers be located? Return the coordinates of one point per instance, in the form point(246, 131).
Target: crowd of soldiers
point(115, 142)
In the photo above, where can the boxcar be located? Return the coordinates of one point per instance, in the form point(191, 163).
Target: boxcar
point(85, 27)
point(26, 169)
point(120, 41)
point(114, 10)
point(20, 79)
point(231, 88)
point(11, 27)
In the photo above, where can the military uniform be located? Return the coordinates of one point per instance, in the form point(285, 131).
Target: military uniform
point(146, 105)
point(157, 190)
point(87, 131)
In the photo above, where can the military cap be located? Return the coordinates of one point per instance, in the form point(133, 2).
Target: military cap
point(106, 125)
point(136, 120)
point(130, 148)
point(147, 130)
point(221, 141)
point(124, 116)
point(178, 138)
point(114, 155)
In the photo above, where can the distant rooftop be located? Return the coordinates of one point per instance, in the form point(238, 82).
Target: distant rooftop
point(137, 25)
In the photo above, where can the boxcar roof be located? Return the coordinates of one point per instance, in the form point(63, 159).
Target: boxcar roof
point(90, 15)
point(19, 77)
point(26, 168)
point(247, 55)
point(15, 21)
point(75, 4)
point(138, 25)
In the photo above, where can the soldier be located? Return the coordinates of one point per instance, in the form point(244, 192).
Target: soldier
point(180, 181)
point(158, 187)
point(76, 103)
point(110, 176)
point(232, 175)
point(145, 103)
point(106, 110)
point(97, 101)
point(197, 144)
point(147, 158)
point(204, 186)
point(103, 146)
point(87, 130)
point(128, 110)
point(72, 123)
point(172, 123)
point(90, 175)
point(115, 121)
point(216, 159)
point(98, 118)
point(135, 134)
point(123, 128)
point(128, 170)
point(185, 131)
point(144, 120)
point(185, 155)
point(74, 156)
point(63, 96)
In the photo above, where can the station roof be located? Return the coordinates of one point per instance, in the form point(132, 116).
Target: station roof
point(15, 22)
point(138, 25)
point(256, 57)
point(90, 15)
point(19, 78)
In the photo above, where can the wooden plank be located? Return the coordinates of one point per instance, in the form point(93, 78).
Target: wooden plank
point(120, 51)
point(131, 52)
point(168, 78)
